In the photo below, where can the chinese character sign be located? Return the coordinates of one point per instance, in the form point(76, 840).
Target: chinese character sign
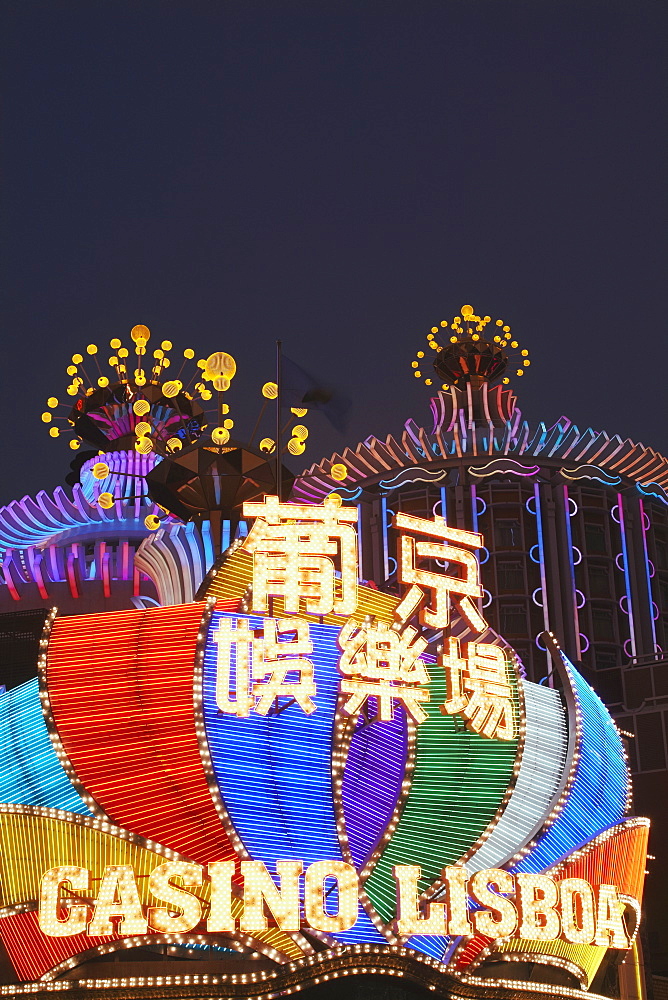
point(439, 588)
point(255, 667)
point(307, 555)
point(478, 689)
point(478, 686)
point(298, 549)
point(377, 661)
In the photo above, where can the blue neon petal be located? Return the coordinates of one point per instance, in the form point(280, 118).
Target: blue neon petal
point(31, 774)
point(275, 772)
point(599, 792)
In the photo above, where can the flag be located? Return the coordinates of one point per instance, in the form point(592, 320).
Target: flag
point(303, 390)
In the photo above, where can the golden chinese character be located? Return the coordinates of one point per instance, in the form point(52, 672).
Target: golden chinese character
point(478, 689)
point(242, 654)
point(444, 586)
point(296, 548)
point(275, 660)
point(232, 672)
point(378, 662)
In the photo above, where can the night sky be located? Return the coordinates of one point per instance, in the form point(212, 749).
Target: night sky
point(342, 176)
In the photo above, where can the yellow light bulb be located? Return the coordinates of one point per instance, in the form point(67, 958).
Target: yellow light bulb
point(296, 447)
point(143, 445)
point(123, 352)
point(427, 381)
point(100, 470)
point(433, 345)
point(142, 428)
point(189, 353)
point(175, 444)
point(171, 389)
point(47, 417)
point(453, 340)
point(525, 353)
point(519, 371)
point(514, 343)
point(140, 407)
point(420, 354)
point(77, 359)
point(71, 369)
point(418, 374)
point(52, 401)
point(506, 329)
point(499, 322)
point(206, 394)
point(475, 336)
point(430, 336)
point(72, 390)
point(339, 472)
point(166, 345)
point(414, 364)
point(506, 381)
point(444, 386)
point(526, 362)
point(467, 311)
point(270, 390)
point(103, 381)
point(74, 444)
point(220, 435)
point(434, 329)
point(140, 334)
point(92, 349)
point(54, 432)
point(158, 353)
point(221, 383)
point(444, 324)
point(300, 432)
point(152, 522)
point(267, 444)
point(222, 364)
point(140, 379)
point(229, 423)
point(113, 361)
point(105, 500)
point(115, 343)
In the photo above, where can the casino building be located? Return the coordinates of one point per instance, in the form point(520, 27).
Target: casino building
point(569, 528)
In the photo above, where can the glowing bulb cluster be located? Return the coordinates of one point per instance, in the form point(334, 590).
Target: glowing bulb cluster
point(468, 327)
point(140, 386)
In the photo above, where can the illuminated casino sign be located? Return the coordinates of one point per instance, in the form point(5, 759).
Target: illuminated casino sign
point(300, 757)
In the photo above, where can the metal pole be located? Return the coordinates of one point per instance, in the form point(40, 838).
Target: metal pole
point(279, 467)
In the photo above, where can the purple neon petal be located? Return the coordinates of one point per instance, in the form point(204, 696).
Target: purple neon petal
point(372, 781)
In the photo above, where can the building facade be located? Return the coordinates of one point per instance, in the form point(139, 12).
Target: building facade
point(574, 556)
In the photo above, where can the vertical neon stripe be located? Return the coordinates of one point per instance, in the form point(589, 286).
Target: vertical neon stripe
point(648, 577)
point(571, 572)
point(627, 575)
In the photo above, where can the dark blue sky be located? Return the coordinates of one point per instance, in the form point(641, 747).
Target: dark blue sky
point(340, 175)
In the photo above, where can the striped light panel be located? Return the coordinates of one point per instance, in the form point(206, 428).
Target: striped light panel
point(459, 783)
point(32, 841)
point(599, 790)
point(31, 773)
point(275, 771)
point(121, 695)
point(544, 760)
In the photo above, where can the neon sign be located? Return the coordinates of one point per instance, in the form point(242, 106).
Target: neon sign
point(313, 719)
point(542, 909)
